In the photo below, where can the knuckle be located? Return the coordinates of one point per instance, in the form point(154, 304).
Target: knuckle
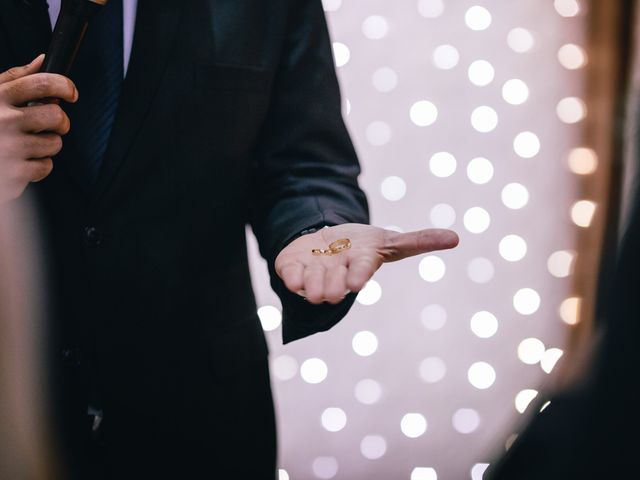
point(56, 144)
point(41, 84)
point(14, 72)
point(58, 117)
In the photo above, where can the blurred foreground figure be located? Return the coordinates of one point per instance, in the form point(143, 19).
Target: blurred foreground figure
point(25, 452)
point(591, 428)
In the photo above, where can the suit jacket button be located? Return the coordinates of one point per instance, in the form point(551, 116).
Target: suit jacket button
point(92, 236)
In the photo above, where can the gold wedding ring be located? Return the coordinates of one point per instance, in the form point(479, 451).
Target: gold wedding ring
point(333, 248)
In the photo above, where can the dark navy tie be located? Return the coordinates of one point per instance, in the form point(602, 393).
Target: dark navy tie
point(98, 72)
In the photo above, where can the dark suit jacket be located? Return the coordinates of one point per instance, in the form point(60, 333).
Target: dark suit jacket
point(230, 114)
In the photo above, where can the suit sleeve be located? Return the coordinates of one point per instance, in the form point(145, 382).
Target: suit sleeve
point(306, 169)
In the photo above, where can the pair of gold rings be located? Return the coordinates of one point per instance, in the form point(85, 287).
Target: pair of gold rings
point(333, 248)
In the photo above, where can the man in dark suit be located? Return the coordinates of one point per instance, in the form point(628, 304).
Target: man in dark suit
point(229, 115)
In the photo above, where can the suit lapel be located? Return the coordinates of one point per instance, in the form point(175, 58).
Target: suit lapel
point(156, 27)
point(26, 23)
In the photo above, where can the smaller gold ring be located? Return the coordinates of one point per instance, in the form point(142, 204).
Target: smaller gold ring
point(320, 251)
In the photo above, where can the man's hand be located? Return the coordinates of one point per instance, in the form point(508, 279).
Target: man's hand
point(30, 135)
point(327, 278)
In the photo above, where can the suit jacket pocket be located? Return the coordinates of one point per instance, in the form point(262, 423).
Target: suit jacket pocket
point(231, 77)
point(237, 351)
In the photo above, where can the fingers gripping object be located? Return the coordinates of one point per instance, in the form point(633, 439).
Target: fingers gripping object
point(333, 248)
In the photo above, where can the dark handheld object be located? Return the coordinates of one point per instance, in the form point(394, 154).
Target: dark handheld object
point(67, 36)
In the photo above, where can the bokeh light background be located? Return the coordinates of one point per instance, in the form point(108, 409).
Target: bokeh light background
point(466, 114)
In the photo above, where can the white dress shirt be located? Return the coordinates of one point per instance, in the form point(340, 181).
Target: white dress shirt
point(129, 8)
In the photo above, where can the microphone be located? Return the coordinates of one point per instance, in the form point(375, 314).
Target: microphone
point(71, 26)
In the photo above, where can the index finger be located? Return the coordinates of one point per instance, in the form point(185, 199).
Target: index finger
point(403, 245)
point(38, 86)
point(19, 72)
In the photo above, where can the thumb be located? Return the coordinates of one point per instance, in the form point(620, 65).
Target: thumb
point(403, 245)
point(19, 72)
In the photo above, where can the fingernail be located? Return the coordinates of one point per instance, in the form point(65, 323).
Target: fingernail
point(37, 59)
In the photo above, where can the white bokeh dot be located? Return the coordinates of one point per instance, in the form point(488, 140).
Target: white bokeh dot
point(384, 79)
point(370, 294)
point(512, 438)
point(282, 474)
point(373, 447)
point(520, 40)
point(477, 471)
point(445, 57)
point(582, 213)
point(571, 110)
point(481, 73)
point(423, 113)
point(480, 170)
point(550, 359)
point(313, 370)
point(582, 161)
point(526, 144)
point(567, 8)
point(331, 5)
point(430, 8)
point(570, 310)
point(560, 263)
point(375, 27)
point(484, 119)
point(364, 343)
point(572, 56)
point(480, 270)
point(526, 301)
point(432, 268)
point(443, 164)
point(433, 317)
point(524, 398)
point(512, 248)
point(378, 133)
point(368, 391)
point(481, 375)
point(515, 91)
point(413, 425)
point(270, 317)
point(484, 324)
point(432, 369)
point(465, 420)
point(284, 367)
point(531, 350)
point(424, 473)
point(325, 467)
point(333, 419)
point(476, 220)
point(341, 54)
point(442, 215)
point(515, 196)
point(393, 188)
point(477, 18)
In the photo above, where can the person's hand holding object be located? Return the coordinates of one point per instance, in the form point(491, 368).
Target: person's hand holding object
point(30, 134)
point(325, 265)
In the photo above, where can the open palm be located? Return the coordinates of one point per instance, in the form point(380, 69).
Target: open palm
point(327, 278)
